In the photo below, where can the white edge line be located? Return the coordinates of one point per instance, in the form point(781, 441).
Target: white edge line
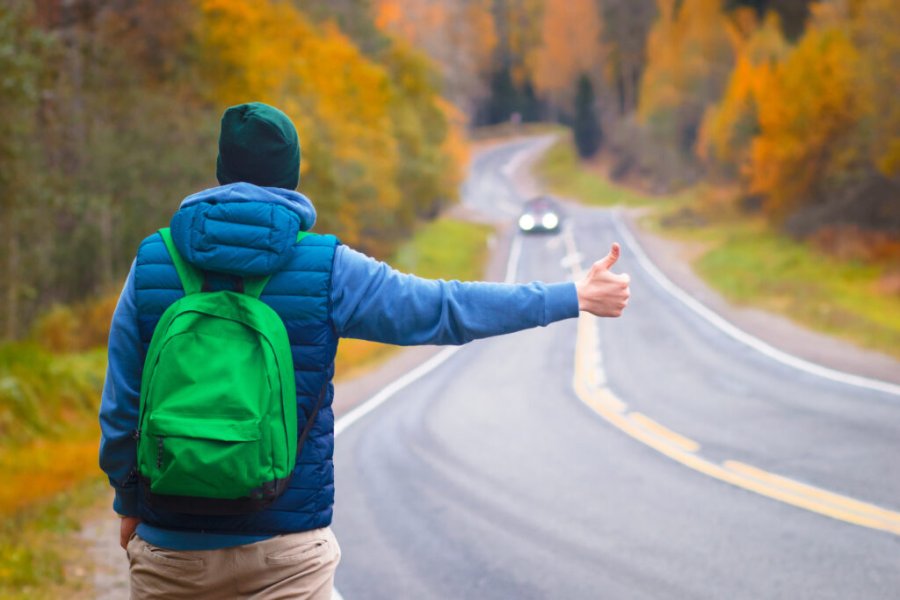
point(361, 410)
point(392, 388)
point(742, 336)
point(512, 265)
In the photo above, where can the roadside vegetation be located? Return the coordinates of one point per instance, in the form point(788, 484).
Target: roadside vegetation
point(748, 260)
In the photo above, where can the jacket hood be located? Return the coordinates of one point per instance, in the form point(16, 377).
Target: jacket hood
point(241, 229)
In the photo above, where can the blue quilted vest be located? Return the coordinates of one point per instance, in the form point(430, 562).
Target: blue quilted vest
point(300, 293)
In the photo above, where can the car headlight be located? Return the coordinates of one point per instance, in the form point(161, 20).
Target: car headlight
point(526, 222)
point(550, 221)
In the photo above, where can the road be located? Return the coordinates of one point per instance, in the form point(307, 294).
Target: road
point(651, 456)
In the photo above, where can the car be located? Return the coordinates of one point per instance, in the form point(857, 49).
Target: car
point(540, 214)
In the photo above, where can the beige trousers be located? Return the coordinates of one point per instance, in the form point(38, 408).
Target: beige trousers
point(296, 565)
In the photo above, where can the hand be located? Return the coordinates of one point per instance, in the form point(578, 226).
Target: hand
point(126, 528)
point(602, 292)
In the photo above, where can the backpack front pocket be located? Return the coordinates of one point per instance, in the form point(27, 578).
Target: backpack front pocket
point(204, 457)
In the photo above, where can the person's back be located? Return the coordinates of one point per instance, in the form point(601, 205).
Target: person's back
point(322, 291)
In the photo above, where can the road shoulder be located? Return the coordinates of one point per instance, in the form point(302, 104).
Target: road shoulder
point(672, 258)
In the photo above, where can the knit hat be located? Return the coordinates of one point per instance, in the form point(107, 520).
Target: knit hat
point(258, 144)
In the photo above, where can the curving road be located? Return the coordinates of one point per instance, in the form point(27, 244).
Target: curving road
point(652, 456)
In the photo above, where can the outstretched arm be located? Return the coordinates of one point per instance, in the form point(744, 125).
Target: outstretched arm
point(372, 301)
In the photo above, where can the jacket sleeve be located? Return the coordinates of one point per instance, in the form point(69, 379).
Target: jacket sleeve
point(119, 404)
point(372, 301)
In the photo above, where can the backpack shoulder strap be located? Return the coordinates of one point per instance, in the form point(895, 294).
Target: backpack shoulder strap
point(190, 276)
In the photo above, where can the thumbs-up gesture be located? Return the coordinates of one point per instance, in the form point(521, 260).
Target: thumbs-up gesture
point(602, 292)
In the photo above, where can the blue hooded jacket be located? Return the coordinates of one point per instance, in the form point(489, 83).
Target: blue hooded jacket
point(323, 291)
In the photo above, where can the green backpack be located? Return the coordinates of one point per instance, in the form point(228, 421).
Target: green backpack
point(218, 410)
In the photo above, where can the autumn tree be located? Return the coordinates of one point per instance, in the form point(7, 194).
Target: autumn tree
point(570, 47)
point(810, 106)
point(689, 56)
point(730, 125)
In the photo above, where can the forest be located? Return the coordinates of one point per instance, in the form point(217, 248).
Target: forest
point(109, 111)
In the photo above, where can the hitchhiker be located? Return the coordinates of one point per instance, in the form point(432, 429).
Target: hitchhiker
point(216, 418)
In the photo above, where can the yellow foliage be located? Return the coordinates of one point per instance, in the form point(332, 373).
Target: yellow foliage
point(809, 105)
point(339, 99)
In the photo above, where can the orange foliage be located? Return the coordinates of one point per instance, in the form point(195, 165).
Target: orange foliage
point(729, 126)
point(808, 108)
point(40, 469)
point(570, 34)
point(689, 56)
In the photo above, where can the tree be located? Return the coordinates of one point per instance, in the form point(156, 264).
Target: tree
point(570, 47)
point(586, 126)
point(810, 107)
point(730, 125)
point(689, 57)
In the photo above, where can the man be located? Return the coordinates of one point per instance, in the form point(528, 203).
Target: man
point(322, 291)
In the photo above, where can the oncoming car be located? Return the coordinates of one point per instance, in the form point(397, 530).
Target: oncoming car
point(540, 214)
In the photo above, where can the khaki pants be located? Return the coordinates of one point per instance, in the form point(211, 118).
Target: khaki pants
point(296, 565)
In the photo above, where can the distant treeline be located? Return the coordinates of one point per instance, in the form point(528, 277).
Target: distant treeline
point(109, 112)
point(792, 103)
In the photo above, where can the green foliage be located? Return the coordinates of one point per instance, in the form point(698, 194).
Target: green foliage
point(45, 395)
point(445, 249)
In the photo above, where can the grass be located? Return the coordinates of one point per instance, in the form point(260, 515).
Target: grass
point(752, 265)
point(747, 260)
point(38, 556)
point(48, 457)
point(442, 249)
point(565, 175)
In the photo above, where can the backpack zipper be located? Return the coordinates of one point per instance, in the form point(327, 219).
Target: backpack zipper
point(159, 451)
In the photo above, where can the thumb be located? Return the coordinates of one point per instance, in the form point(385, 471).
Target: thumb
point(610, 259)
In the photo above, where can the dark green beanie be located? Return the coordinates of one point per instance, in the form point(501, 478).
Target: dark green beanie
point(258, 144)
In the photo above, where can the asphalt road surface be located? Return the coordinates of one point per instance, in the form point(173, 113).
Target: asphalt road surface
point(651, 456)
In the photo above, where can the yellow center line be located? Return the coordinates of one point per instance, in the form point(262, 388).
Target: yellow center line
point(811, 491)
point(645, 430)
point(686, 444)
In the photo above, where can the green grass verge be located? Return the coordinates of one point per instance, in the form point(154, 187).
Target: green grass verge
point(753, 265)
point(564, 174)
point(748, 261)
point(441, 249)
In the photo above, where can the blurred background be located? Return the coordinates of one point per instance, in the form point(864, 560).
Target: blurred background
point(763, 135)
